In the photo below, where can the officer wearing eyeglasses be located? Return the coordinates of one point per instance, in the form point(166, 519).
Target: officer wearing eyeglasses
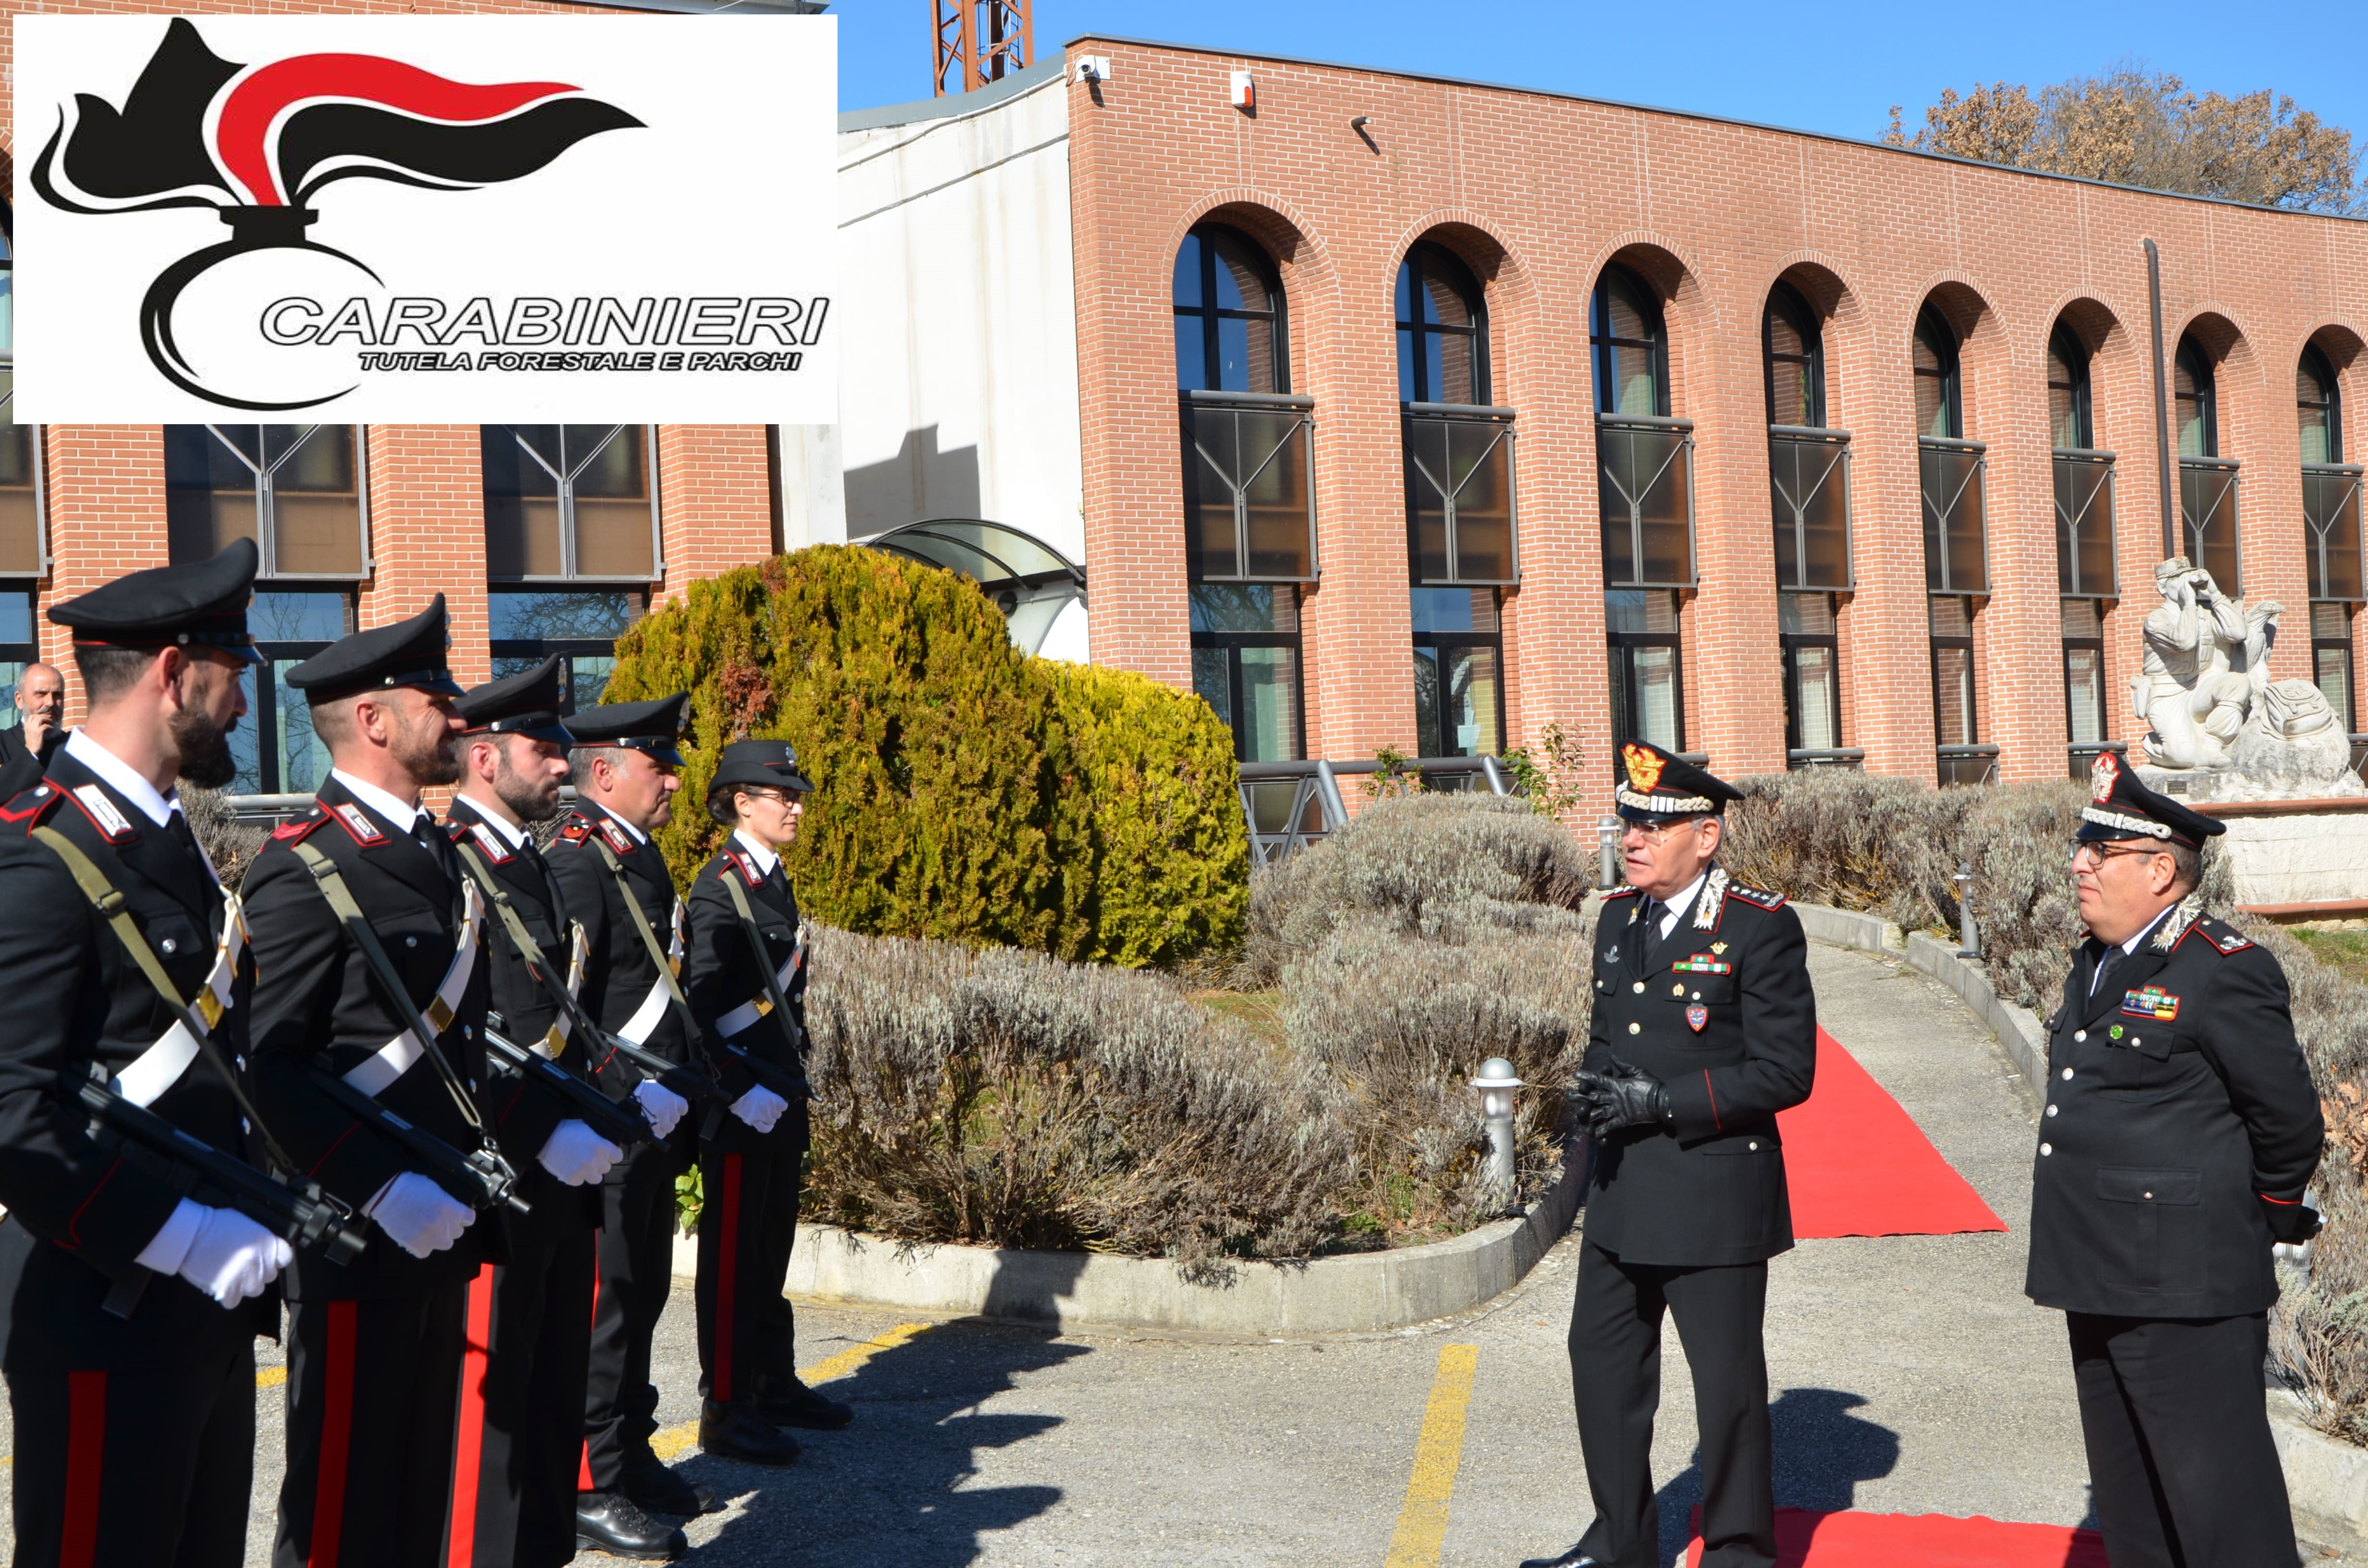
point(1704, 1027)
point(2179, 1133)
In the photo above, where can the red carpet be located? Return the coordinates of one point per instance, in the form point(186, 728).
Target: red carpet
point(1805, 1540)
point(1858, 1165)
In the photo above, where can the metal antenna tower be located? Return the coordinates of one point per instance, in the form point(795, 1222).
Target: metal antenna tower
point(973, 42)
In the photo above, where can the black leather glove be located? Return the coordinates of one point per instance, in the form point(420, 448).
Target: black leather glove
point(1623, 1096)
point(2293, 1223)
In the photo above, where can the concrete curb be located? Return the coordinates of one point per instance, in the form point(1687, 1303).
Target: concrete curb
point(2327, 1479)
point(1367, 1293)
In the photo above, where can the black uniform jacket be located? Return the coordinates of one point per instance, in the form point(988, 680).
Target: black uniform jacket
point(81, 1209)
point(2177, 1101)
point(317, 1008)
point(1723, 1014)
point(620, 979)
point(719, 977)
point(20, 766)
point(521, 1115)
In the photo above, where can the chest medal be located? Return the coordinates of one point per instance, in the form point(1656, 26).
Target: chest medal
point(2153, 1002)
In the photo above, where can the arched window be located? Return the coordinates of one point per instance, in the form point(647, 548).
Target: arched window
point(1631, 347)
point(2319, 407)
point(1230, 331)
point(1442, 329)
point(2197, 414)
point(1793, 351)
point(2069, 418)
point(1939, 386)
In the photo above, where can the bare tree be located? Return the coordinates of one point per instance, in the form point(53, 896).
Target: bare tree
point(2131, 126)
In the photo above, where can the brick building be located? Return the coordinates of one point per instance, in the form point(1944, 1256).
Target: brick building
point(1391, 412)
point(1417, 413)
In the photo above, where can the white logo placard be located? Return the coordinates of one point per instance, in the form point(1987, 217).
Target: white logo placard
point(427, 219)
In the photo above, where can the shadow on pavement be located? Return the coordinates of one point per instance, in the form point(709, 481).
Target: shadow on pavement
point(892, 1487)
point(1822, 1452)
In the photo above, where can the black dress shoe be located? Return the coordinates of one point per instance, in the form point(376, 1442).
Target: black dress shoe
point(798, 1405)
point(609, 1521)
point(737, 1432)
point(1574, 1558)
point(656, 1489)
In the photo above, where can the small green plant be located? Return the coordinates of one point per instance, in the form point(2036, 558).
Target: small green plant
point(1399, 776)
point(1551, 785)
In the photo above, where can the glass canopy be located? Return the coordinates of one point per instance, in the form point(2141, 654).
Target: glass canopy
point(1030, 581)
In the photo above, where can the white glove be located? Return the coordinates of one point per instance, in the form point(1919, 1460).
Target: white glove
point(661, 1105)
point(421, 1216)
point(220, 1251)
point(577, 1155)
point(759, 1108)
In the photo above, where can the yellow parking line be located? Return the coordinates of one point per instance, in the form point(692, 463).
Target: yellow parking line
point(1421, 1531)
point(676, 1441)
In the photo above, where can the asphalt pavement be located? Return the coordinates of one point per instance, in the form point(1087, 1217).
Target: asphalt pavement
point(1909, 1375)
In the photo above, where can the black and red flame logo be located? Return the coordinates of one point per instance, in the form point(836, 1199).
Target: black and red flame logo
point(256, 142)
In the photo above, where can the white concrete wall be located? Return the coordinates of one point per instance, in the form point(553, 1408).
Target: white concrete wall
point(958, 394)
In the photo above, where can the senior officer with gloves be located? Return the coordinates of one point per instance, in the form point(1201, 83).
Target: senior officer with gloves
point(132, 1309)
point(745, 976)
point(2180, 1131)
point(1704, 1027)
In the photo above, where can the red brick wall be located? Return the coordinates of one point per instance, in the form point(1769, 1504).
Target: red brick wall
point(716, 499)
point(1539, 193)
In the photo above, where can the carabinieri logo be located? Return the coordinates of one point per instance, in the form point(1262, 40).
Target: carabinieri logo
point(257, 141)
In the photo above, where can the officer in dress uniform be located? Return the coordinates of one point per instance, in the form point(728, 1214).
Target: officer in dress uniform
point(131, 1309)
point(1704, 1027)
point(376, 1347)
point(619, 892)
point(751, 1151)
point(2180, 1131)
point(515, 1505)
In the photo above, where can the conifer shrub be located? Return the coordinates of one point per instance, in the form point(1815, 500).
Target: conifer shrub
point(964, 790)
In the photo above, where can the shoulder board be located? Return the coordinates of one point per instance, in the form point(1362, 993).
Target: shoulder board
point(29, 806)
point(1623, 891)
point(576, 829)
point(746, 866)
point(290, 832)
point(2222, 935)
point(619, 839)
point(1761, 897)
point(488, 839)
point(357, 825)
point(112, 825)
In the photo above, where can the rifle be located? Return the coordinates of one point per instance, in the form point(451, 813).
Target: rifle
point(688, 1079)
point(620, 1124)
point(295, 1209)
point(481, 1179)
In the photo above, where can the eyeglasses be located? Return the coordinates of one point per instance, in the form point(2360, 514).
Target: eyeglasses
point(1653, 832)
point(2104, 850)
point(785, 797)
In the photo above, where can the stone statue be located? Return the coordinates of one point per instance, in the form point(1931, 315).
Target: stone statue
point(2221, 728)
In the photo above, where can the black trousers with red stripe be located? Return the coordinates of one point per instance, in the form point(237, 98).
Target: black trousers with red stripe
point(142, 1464)
point(371, 1408)
point(747, 1224)
point(521, 1432)
point(634, 1276)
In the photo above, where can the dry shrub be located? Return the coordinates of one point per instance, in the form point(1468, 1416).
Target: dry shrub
point(1833, 836)
point(230, 845)
point(1430, 866)
point(1006, 1099)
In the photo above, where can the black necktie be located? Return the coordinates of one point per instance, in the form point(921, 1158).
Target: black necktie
point(2105, 965)
point(176, 828)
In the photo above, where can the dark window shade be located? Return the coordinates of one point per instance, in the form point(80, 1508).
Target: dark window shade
point(2330, 509)
point(2084, 525)
point(1249, 499)
point(295, 490)
point(1808, 479)
point(1955, 551)
point(1459, 486)
point(569, 501)
point(20, 495)
point(2208, 511)
point(1644, 484)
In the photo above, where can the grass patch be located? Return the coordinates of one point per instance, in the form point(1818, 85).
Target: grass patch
point(2343, 951)
point(1262, 1013)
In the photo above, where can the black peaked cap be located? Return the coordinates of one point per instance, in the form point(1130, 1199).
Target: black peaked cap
point(1651, 784)
point(523, 704)
point(170, 606)
point(653, 727)
point(2121, 806)
point(771, 765)
point(409, 652)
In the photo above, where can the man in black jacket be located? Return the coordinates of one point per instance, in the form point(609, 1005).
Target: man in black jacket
point(751, 1151)
point(28, 746)
point(2180, 1132)
point(376, 1347)
point(515, 1505)
point(132, 1309)
point(619, 892)
point(1704, 1027)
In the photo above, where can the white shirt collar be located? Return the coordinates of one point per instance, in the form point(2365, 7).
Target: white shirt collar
point(1677, 906)
point(765, 858)
point(639, 836)
point(405, 815)
point(514, 836)
point(120, 778)
point(2131, 946)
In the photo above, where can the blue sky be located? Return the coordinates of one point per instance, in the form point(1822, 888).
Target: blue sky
point(1837, 67)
